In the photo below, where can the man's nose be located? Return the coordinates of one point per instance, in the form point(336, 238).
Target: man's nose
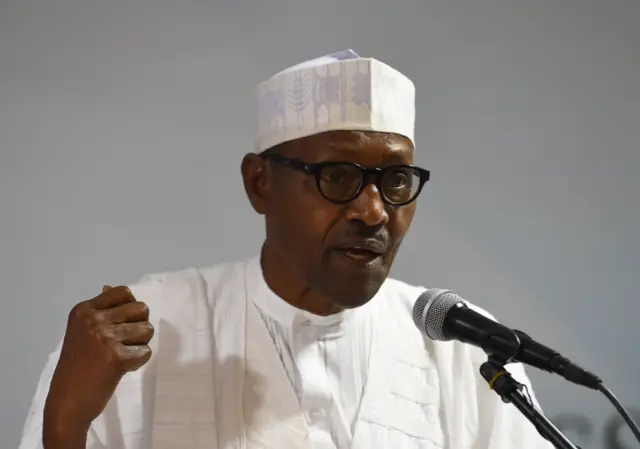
point(368, 207)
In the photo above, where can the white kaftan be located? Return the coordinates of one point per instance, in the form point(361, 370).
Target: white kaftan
point(232, 369)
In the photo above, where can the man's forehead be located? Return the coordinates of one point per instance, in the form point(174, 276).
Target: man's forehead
point(336, 92)
point(359, 138)
point(355, 146)
point(358, 141)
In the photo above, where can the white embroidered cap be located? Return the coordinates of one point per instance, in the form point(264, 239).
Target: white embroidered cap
point(340, 91)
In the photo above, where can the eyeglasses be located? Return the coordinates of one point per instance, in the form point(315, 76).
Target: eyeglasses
point(342, 182)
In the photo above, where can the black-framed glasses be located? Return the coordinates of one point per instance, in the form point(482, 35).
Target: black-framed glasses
point(342, 182)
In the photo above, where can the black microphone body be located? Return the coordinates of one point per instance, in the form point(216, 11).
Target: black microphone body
point(467, 326)
point(443, 315)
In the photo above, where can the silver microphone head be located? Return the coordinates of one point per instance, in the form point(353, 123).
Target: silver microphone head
point(430, 311)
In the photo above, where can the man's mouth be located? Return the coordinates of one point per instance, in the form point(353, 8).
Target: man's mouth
point(359, 254)
point(362, 250)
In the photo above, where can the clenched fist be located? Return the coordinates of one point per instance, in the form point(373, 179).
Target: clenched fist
point(106, 337)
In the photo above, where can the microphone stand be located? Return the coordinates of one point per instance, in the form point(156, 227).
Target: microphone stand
point(512, 391)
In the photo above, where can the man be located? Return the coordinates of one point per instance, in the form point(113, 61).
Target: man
point(308, 345)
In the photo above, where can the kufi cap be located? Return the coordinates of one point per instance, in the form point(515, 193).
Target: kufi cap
point(339, 91)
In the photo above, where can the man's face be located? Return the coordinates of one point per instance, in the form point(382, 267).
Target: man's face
point(342, 251)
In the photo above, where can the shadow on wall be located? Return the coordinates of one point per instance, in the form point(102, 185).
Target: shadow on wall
point(581, 430)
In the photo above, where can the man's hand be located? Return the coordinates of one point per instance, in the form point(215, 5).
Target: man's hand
point(106, 337)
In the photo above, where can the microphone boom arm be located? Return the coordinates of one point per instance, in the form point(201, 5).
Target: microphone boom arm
point(512, 391)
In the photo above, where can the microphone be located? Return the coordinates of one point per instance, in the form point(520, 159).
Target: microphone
point(443, 316)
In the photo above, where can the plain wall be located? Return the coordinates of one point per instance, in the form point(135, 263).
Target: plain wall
point(123, 123)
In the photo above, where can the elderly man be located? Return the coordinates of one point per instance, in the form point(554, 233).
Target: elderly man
point(308, 345)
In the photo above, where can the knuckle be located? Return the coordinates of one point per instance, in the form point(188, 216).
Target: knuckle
point(107, 336)
point(148, 327)
point(144, 308)
point(96, 318)
point(96, 326)
point(145, 355)
point(78, 311)
point(120, 352)
point(105, 333)
point(138, 358)
point(117, 289)
point(149, 330)
point(83, 316)
point(125, 293)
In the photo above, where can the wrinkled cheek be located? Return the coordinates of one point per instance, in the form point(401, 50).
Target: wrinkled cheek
point(404, 217)
point(391, 257)
point(400, 222)
point(300, 235)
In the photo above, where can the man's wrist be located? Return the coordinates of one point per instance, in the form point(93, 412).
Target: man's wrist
point(60, 431)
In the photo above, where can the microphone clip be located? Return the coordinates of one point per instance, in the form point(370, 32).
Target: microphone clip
point(514, 392)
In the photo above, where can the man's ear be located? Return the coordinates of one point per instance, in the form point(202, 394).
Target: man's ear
point(257, 181)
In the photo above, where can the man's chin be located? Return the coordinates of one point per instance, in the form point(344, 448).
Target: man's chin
point(347, 287)
point(353, 295)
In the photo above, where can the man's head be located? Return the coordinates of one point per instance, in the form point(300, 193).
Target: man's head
point(331, 227)
point(333, 177)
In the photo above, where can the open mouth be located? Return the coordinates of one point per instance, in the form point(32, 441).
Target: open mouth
point(359, 254)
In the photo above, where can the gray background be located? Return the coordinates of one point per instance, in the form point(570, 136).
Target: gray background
point(122, 126)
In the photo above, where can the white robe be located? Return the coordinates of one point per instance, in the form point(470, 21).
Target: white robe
point(326, 359)
point(215, 380)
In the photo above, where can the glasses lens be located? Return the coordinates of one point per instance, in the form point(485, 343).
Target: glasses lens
point(340, 182)
point(400, 184)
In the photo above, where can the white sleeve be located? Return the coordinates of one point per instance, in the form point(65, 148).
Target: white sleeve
point(125, 422)
point(32, 430)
